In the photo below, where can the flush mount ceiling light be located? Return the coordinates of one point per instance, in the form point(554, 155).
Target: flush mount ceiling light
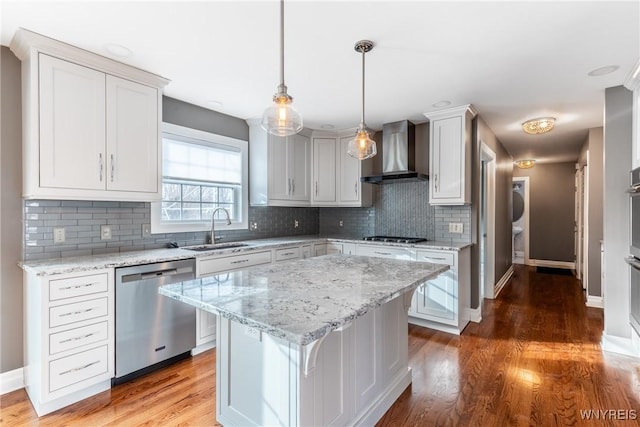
point(440, 104)
point(117, 50)
point(539, 125)
point(603, 70)
point(525, 164)
point(362, 146)
point(281, 118)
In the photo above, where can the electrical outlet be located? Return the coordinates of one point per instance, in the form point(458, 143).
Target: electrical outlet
point(341, 223)
point(254, 225)
point(455, 227)
point(296, 224)
point(253, 333)
point(146, 230)
point(105, 232)
point(58, 235)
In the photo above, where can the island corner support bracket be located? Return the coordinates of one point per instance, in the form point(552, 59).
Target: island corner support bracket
point(310, 351)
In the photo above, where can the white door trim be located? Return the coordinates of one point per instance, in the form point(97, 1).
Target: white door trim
point(489, 157)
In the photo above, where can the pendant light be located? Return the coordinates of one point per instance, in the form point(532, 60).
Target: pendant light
point(281, 118)
point(362, 146)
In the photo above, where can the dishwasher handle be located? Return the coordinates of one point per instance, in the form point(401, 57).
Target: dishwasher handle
point(149, 275)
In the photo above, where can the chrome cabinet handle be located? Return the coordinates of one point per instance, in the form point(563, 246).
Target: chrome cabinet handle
point(316, 188)
point(293, 186)
point(633, 262)
point(433, 257)
point(101, 163)
point(81, 337)
point(382, 253)
point(80, 368)
point(289, 181)
point(288, 253)
point(113, 170)
point(239, 261)
point(435, 183)
point(66, 288)
point(355, 188)
point(71, 313)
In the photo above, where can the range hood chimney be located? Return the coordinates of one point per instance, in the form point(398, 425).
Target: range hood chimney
point(400, 163)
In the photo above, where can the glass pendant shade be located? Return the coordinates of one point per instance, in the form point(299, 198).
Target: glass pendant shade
point(281, 118)
point(362, 147)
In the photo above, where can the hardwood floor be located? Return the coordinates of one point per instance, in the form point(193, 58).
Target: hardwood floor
point(534, 360)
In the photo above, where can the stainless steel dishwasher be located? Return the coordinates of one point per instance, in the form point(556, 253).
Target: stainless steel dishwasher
point(152, 331)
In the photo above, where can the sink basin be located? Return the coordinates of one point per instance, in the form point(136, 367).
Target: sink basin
point(212, 247)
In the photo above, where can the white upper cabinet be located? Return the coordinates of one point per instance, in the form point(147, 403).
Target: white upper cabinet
point(132, 136)
point(90, 124)
point(279, 168)
point(72, 126)
point(336, 175)
point(324, 171)
point(450, 156)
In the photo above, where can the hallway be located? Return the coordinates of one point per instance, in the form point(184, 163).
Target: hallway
point(534, 360)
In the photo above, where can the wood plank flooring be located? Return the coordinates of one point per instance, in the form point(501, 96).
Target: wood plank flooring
point(535, 360)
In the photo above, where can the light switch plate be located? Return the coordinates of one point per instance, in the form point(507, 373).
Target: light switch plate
point(253, 333)
point(105, 232)
point(455, 227)
point(296, 223)
point(146, 230)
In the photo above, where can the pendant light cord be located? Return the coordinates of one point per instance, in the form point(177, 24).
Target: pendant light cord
point(281, 42)
point(362, 117)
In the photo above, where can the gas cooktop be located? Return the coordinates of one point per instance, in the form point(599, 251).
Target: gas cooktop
point(394, 239)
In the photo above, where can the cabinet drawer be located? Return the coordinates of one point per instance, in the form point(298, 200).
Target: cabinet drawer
point(77, 286)
point(385, 252)
point(78, 367)
point(436, 257)
point(287, 253)
point(216, 265)
point(78, 337)
point(69, 313)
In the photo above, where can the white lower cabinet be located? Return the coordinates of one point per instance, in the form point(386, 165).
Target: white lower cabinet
point(69, 337)
point(443, 303)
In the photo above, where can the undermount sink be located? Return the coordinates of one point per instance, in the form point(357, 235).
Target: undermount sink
point(211, 247)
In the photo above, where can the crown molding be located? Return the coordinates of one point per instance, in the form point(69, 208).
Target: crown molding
point(632, 81)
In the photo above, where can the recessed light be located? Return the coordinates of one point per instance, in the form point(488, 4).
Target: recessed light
point(603, 70)
point(117, 50)
point(327, 126)
point(214, 104)
point(441, 104)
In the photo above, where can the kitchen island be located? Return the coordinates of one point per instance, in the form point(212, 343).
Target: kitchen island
point(321, 341)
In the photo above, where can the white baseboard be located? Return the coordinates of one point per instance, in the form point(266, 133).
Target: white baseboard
point(11, 380)
point(553, 264)
point(475, 314)
point(503, 281)
point(620, 345)
point(594, 301)
point(203, 347)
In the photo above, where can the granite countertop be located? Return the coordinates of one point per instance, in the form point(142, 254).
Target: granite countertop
point(123, 259)
point(303, 300)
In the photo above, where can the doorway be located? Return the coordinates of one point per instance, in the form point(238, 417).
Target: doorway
point(582, 219)
point(487, 237)
point(520, 224)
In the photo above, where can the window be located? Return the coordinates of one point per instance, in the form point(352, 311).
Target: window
point(201, 171)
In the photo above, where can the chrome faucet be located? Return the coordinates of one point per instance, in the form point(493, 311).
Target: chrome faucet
point(213, 223)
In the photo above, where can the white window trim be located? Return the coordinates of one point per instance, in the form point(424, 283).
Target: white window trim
point(158, 226)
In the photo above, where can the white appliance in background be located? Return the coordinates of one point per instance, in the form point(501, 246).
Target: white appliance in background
point(634, 259)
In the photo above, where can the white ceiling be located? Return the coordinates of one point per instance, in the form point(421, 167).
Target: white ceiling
point(511, 60)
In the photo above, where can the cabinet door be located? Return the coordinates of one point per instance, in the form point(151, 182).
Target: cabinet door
point(447, 157)
point(132, 136)
point(206, 327)
point(299, 166)
point(437, 298)
point(349, 174)
point(280, 185)
point(72, 125)
point(324, 170)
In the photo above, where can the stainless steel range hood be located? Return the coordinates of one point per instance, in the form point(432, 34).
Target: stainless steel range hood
point(400, 163)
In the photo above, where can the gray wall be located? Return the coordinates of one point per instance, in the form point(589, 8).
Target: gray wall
point(504, 168)
point(594, 144)
point(617, 164)
point(10, 212)
point(551, 211)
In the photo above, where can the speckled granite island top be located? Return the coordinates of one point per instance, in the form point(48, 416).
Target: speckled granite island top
point(301, 301)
